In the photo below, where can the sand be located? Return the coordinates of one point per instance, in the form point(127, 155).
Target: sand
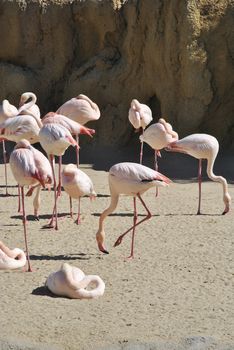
point(176, 293)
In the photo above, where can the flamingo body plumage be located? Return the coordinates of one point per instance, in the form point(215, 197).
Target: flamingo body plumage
point(71, 282)
point(139, 114)
point(11, 259)
point(80, 109)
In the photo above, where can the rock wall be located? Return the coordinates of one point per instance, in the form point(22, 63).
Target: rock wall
point(176, 56)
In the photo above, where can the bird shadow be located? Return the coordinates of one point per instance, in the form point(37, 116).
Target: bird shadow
point(43, 291)
point(8, 195)
point(33, 218)
point(123, 214)
point(99, 195)
point(79, 256)
point(186, 214)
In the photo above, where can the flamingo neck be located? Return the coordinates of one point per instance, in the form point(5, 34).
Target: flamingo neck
point(94, 293)
point(220, 179)
point(29, 104)
point(113, 204)
point(37, 200)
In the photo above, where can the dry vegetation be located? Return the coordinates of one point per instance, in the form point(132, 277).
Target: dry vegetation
point(117, 4)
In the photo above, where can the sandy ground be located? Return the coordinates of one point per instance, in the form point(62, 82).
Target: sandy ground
point(179, 285)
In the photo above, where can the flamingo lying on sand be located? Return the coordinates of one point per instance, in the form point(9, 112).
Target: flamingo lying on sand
point(11, 259)
point(71, 282)
point(29, 167)
point(203, 146)
point(131, 179)
point(80, 109)
point(140, 116)
point(77, 184)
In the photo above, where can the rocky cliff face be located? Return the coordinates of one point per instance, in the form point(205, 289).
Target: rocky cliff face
point(176, 56)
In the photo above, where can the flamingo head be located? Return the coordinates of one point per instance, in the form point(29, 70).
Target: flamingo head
point(100, 242)
point(22, 144)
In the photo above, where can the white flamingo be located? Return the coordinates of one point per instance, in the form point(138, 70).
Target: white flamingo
point(71, 282)
point(130, 179)
point(11, 259)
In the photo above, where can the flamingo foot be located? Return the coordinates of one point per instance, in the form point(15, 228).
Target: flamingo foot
point(78, 221)
point(130, 257)
point(102, 248)
point(226, 210)
point(36, 218)
point(198, 212)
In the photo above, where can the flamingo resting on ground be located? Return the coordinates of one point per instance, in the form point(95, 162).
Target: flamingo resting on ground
point(130, 179)
point(29, 167)
point(71, 282)
point(140, 116)
point(77, 184)
point(203, 146)
point(11, 259)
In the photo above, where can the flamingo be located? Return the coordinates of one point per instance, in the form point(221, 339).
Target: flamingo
point(130, 179)
point(55, 139)
point(158, 136)
point(29, 167)
point(11, 259)
point(80, 109)
point(140, 116)
point(203, 146)
point(77, 184)
point(31, 107)
point(71, 282)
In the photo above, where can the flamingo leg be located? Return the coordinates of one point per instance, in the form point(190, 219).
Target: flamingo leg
point(148, 216)
point(133, 230)
point(55, 214)
point(156, 168)
point(141, 150)
point(5, 165)
point(77, 152)
point(19, 202)
point(71, 211)
point(199, 186)
point(25, 230)
point(59, 177)
point(78, 216)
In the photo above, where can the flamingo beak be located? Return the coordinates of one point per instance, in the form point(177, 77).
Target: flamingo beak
point(102, 248)
point(87, 131)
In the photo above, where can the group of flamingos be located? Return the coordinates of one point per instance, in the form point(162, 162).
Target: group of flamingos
point(56, 132)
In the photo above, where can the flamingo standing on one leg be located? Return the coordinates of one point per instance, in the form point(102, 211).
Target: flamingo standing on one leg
point(131, 179)
point(30, 167)
point(71, 282)
point(203, 146)
point(11, 259)
point(77, 184)
point(140, 116)
point(80, 109)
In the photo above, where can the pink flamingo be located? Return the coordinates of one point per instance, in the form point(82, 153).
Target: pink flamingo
point(140, 116)
point(31, 107)
point(77, 184)
point(80, 109)
point(203, 146)
point(11, 259)
point(55, 139)
point(71, 282)
point(130, 179)
point(29, 167)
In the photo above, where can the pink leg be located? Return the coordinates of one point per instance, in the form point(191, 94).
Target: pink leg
point(199, 185)
point(55, 214)
point(134, 226)
point(71, 210)
point(156, 168)
point(19, 203)
point(59, 176)
point(5, 165)
point(78, 216)
point(77, 152)
point(25, 230)
point(119, 240)
point(141, 150)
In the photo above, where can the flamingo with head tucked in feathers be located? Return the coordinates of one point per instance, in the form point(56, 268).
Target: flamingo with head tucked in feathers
point(77, 184)
point(29, 167)
point(130, 179)
point(203, 146)
point(11, 258)
point(71, 282)
point(140, 116)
